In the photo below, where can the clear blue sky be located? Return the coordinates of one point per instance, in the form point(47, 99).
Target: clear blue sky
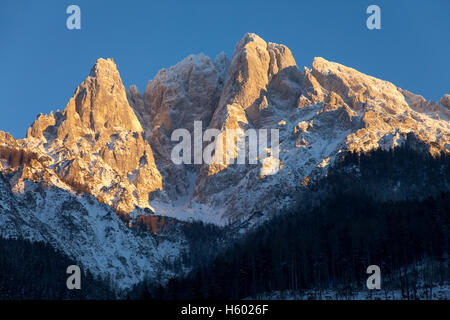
point(41, 62)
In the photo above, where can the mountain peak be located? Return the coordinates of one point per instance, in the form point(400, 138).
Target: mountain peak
point(102, 140)
point(250, 37)
point(97, 142)
point(253, 67)
point(246, 40)
point(221, 56)
point(445, 101)
point(103, 66)
point(101, 101)
point(320, 64)
point(319, 61)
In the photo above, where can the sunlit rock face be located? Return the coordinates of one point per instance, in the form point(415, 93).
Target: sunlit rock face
point(178, 96)
point(263, 82)
point(109, 151)
point(320, 112)
point(97, 143)
point(116, 145)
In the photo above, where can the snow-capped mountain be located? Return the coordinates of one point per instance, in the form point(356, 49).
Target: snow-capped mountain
point(321, 112)
point(109, 150)
point(97, 145)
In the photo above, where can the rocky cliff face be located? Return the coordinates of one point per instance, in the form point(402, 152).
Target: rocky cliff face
point(259, 72)
point(116, 144)
point(320, 112)
point(176, 98)
point(110, 150)
point(97, 144)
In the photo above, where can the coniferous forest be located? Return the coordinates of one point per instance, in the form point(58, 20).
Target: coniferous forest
point(330, 246)
point(386, 208)
point(37, 271)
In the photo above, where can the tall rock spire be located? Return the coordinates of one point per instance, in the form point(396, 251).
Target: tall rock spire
point(263, 83)
point(100, 144)
point(97, 142)
point(254, 65)
point(101, 100)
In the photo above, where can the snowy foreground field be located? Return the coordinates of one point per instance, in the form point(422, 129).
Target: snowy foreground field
point(437, 293)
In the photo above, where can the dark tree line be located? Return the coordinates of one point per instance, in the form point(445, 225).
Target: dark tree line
point(34, 270)
point(204, 241)
point(398, 174)
point(395, 213)
point(330, 247)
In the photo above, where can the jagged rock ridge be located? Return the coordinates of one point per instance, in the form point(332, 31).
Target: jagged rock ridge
point(321, 113)
point(116, 144)
point(97, 144)
point(109, 150)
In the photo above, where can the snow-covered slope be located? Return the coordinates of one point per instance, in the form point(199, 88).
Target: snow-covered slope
point(87, 231)
point(320, 113)
point(109, 150)
point(116, 144)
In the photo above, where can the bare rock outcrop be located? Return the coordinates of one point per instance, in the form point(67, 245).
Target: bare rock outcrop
point(97, 143)
point(263, 82)
point(445, 100)
point(116, 144)
point(178, 96)
point(321, 112)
